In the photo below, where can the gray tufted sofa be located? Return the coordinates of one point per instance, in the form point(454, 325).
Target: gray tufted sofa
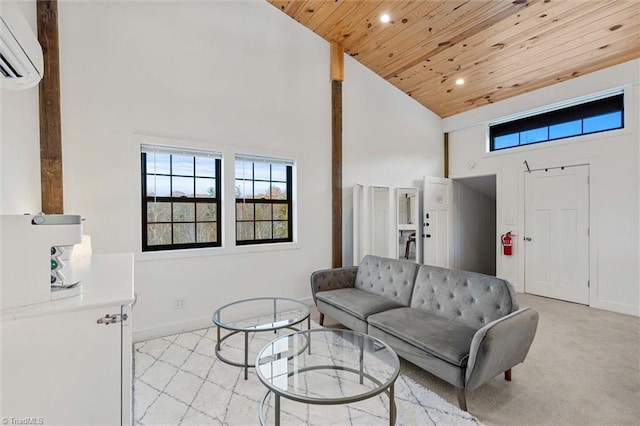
point(463, 327)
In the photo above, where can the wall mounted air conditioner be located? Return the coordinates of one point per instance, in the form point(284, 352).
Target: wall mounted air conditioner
point(21, 62)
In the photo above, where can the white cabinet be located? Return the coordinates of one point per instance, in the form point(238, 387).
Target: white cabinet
point(61, 361)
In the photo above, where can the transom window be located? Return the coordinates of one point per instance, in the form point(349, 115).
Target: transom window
point(264, 192)
point(589, 117)
point(180, 198)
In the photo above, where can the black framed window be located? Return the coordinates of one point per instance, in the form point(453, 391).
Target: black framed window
point(264, 191)
point(595, 116)
point(180, 198)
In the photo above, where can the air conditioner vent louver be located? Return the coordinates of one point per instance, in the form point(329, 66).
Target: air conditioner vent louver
point(21, 61)
point(8, 71)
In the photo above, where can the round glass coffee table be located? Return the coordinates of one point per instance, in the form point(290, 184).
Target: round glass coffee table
point(256, 315)
point(327, 367)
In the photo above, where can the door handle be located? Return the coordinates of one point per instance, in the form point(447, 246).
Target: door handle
point(111, 319)
point(426, 235)
point(527, 238)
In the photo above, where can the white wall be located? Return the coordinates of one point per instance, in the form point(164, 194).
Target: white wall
point(613, 158)
point(228, 76)
point(389, 139)
point(20, 143)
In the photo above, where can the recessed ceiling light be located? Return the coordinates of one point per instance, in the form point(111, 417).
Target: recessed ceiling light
point(384, 18)
point(460, 81)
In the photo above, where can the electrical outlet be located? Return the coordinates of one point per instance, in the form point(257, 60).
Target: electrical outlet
point(179, 303)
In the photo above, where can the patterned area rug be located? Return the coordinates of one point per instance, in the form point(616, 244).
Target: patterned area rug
point(179, 381)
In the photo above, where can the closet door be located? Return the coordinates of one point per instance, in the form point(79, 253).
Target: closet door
point(358, 223)
point(379, 211)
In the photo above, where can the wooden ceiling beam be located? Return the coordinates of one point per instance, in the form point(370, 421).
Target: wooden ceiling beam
point(337, 76)
point(50, 119)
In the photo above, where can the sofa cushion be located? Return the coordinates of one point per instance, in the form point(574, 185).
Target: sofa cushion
point(467, 298)
point(358, 303)
point(447, 340)
point(391, 278)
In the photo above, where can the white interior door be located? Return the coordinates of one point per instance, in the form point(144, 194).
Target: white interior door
point(437, 221)
point(358, 219)
point(380, 221)
point(557, 233)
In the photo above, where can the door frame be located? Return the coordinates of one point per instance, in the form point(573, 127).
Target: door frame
point(593, 234)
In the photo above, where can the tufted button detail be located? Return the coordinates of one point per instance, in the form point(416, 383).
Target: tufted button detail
point(450, 295)
point(395, 293)
point(473, 300)
point(406, 283)
point(438, 306)
point(389, 267)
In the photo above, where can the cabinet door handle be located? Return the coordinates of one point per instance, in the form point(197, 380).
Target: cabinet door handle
point(111, 319)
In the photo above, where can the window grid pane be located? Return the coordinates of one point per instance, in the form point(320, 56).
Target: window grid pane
point(582, 119)
point(180, 208)
point(263, 202)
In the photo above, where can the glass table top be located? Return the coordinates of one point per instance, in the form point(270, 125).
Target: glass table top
point(260, 314)
point(328, 366)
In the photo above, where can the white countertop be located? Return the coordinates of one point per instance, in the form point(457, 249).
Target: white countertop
point(106, 279)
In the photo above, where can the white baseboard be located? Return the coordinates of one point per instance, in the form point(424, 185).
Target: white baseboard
point(169, 329)
point(196, 324)
point(616, 307)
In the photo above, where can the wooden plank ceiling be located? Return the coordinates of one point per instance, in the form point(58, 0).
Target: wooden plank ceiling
point(501, 48)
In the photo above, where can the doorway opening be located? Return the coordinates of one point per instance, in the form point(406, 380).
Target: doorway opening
point(474, 235)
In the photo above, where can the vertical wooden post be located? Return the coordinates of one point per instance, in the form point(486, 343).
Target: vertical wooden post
point(337, 76)
point(50, 122)
point(446, 155)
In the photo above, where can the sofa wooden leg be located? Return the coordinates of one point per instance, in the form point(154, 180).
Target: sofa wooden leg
point(321, 319)
point(507, 375)
point(462, 399)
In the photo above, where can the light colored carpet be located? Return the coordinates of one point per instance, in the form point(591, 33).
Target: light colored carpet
point(179, 381)
point(583, 369)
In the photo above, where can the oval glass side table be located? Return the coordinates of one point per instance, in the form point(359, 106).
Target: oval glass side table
point(266, 314)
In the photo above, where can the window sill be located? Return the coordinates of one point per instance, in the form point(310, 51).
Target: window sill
point(150, 256)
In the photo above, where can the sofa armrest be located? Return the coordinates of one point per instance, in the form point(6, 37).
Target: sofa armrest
point(331, 279)
point(500, 345)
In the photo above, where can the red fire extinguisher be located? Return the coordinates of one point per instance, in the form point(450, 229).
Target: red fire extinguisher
point(507, 245)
